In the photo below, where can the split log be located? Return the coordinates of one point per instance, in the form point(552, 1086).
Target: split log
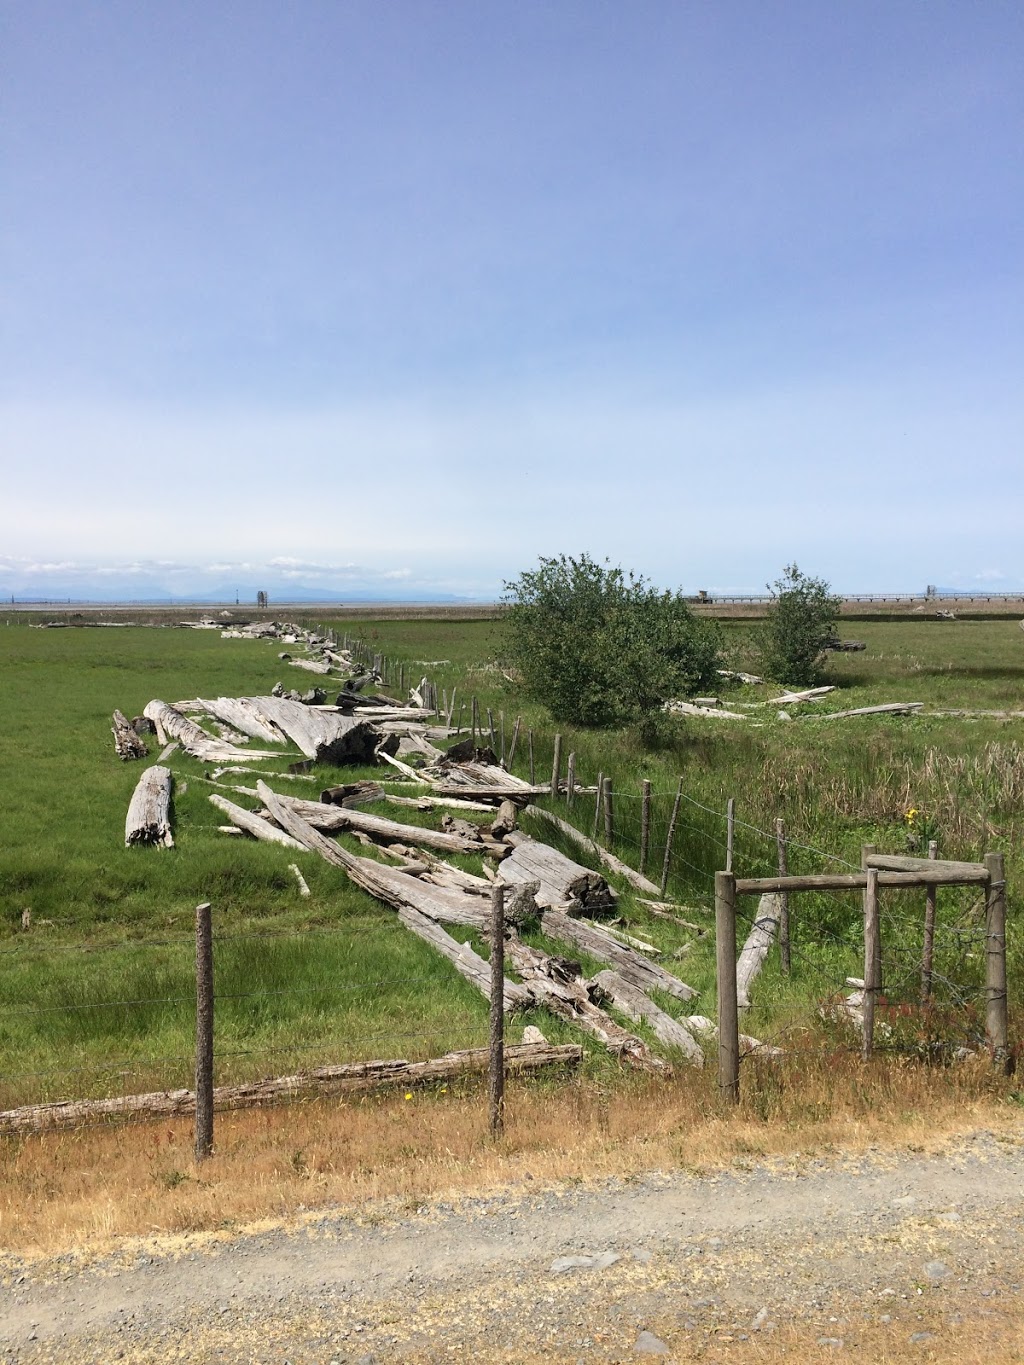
point(332, 818)
point(243, 713)
point(595, 941)
point(635, 879)
point(755, 950)
point(193, 739)
point(557, 985)
point(403, 768)
point(254, 824)
point(520, 1058)
point(127, 742)
point(641, 1009)
point(149, 811)
point(687, 708)
point(561, 880)
point(323, 735)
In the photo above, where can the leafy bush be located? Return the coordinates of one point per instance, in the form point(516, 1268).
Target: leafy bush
point(598, 646)
point(800, 623)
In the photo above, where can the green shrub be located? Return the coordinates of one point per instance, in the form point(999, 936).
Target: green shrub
point(598, 646)
point(800, 622)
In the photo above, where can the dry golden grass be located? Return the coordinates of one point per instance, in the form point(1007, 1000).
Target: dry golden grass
point(86, 1189)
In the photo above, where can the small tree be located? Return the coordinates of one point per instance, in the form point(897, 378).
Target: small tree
point(800, 622)
point(598, 646)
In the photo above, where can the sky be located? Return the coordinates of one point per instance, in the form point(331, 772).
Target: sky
point(393, 299)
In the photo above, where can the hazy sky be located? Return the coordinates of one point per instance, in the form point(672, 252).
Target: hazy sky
point(362, 294)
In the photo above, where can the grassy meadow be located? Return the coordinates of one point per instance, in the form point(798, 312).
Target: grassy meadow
point(96, 996)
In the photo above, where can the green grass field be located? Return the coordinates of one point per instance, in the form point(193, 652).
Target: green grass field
point(334, 977)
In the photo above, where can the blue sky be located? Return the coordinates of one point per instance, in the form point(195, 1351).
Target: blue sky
point(399, 297)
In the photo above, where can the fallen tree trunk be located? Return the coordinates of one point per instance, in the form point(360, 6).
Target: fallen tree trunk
point(254, 824)
point(558, 986)
point(311, 665)
point(755, 950)
point(325, 736)
point(889, 708)
point(561, 880)
point(635, 879)
point(331, 818)
point(520, 1058)
point(149, 811)
point(127, 742)
point(193, 739)
point(595, 941)
point(435, 802)
point(642, 1010)
point(245, 715)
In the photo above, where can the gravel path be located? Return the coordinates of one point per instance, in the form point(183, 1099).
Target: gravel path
point(817, 1254)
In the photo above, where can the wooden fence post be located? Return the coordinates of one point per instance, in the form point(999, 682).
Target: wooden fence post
point(490, 726)
point(866, 850)
point(556, 766)
point(497, 1063)
point(204, 1031)
point(609, 814)
point(931, 897)
point(475, 721)
point(730, 831)
point(670, 835)
point(645, 823)
point(780, 839)
point(514, 741)
point(401, 677)
point(570, 779)
point(872, 953)
point(598, 799)
point(533, 771)
point(725, 970)
point(501, 726)
point(996, 1021)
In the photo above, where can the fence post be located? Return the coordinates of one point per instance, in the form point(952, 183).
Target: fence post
point(570, 779)
point(780, 839)
point(645, 822)
point(609, 814)
point(474, 721)
point(866, 850)
point(501, 726)
point(490, 727)
point(204, 1031)
point(597, 803)
point(533, 772)
point(730, 831)
point(872, 951)
point(931, 897)
point(996, 1024)
point(671, 834)
point(556, 766)
point(497, 1061)
point(725, 968)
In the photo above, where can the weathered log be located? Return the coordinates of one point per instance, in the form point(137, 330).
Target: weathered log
point(127, 742)
point(149, 811)
point(465, 829)
point(333, 818)
point(897, 862)
point(597, 942)
point(434, 802)
point(506, 820)
point(635, 879)
point(352, 1076)
point(254, 824)
point(325, 736)
point(557, 985)
point(687, 708)
point(889, 708)
point(311, 665)
point(562, 882)
point(243, 713)
point(193, 739)
point(755, 950)
point(792, 698)
point(666, 910)
point(641, 1009)
point(350, 794)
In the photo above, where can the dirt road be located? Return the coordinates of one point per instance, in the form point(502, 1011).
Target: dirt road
point(882, 1256)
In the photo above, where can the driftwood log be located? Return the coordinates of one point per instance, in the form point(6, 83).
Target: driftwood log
point(127, 742)
point(331, 818)
point(322, 734)
point(254, 824)
point(194, 739)
point(631, 965)
point(639, 1007)
point(353, 1076)
point(149, 811)
point(562, 882)
point(755, 950)
point(634, 878)
point(241, 712)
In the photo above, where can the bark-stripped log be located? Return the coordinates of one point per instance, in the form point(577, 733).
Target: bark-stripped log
point(755, 950)
point(322, 735)
point(149, 811)
point(332, 818)
point(244, 714)
point(254, 824)
point(554, 984)
point(311, 665)
point(562, 882)
point(127, 742)
point(637, 970)
point(642, 1010)
point(353, 1076)
point(194, 740)
point(635, 879)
